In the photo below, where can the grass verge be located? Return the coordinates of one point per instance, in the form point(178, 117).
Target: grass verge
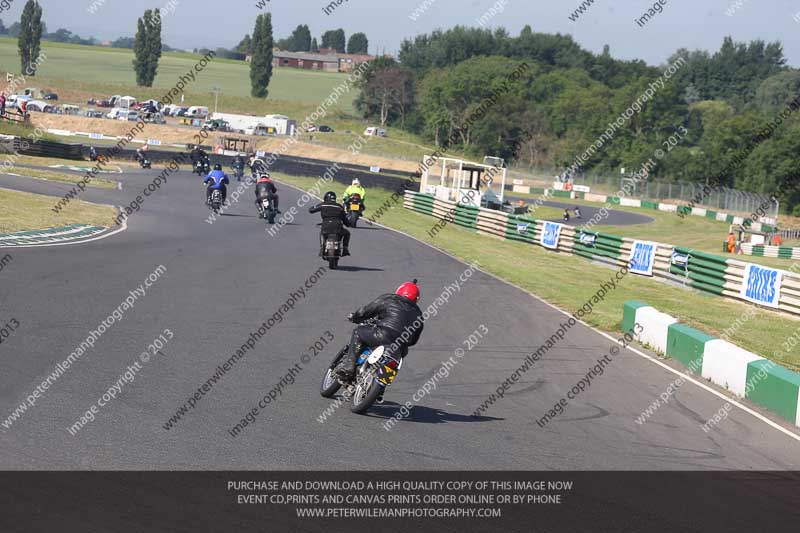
point(569, 281)
point(26, 211)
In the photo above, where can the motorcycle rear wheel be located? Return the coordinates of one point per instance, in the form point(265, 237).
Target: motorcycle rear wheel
point(366, 392)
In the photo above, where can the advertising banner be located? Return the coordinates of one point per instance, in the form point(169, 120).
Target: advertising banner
point(761, 285)
point(550, 234)
point(642, 256)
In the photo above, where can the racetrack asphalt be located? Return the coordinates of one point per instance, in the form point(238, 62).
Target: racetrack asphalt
point(614, 217)
point(224, 279)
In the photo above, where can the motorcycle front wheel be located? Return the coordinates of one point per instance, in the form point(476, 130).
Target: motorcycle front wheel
point(330, 383)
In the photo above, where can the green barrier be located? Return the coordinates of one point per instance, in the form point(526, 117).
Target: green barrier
point(774, 387)
point(686, 345)
point(613, 200)
point(629, 314)
point(649, 205)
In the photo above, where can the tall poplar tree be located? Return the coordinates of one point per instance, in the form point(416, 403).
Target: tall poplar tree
point(30, 37)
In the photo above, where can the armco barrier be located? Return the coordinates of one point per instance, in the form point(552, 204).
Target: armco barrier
point(676, 265)
point(744, 373)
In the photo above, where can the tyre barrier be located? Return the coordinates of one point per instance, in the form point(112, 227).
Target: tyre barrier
point(747, 375)
point(677, 265)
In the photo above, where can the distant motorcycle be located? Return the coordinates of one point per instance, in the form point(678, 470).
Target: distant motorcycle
point(376, 369)
point(144, 163)
point(202, 167)
point(266, 210)
point(354, 207)
point(238, 171)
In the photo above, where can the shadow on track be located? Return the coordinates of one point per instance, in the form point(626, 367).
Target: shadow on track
point(425, 415)
point(346, 268)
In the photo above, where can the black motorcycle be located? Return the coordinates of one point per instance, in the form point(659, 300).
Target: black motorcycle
point(353, 207)
point(202, 167)
point(144, 163)
point(332, 249)
point(376, 369)
point(266, 209)
point(215, 201)
point(238, 171)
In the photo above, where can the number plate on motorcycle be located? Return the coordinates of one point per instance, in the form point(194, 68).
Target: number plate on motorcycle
point(386, 375)
point(354, 207)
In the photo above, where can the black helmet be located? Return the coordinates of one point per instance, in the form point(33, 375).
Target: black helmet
point(217, 167)
point(330, 196)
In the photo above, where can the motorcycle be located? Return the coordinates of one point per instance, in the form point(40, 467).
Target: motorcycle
point(144, 163)
point(238, 171)
point(353, 206)
point(202, 167)
point(376, 369)
point(215, 202)
point(266, 210)
point(332, 249)
point(577, 213)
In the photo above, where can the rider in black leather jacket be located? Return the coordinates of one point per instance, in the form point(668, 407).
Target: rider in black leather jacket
point(396, 321)
point(334, 221)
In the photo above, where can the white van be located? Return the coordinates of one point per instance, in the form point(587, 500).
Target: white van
point(197, 112)
point(374, 131)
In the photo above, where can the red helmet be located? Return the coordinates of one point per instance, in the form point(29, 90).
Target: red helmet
point(409, 290)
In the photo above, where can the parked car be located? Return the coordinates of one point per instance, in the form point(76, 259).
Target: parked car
point(374, 131)
point(217, 124)
point(40, 106)
point(68, 109)
point(154, 118)
point(50, 96)
point(325, 129)
point(117, 113)
point(180, 111)
point(131, 116)
point(93, 113)
point(197, 112)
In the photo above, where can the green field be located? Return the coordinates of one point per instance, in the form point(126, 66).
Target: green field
point(108, 71)
point(568, 281)
point(26, 211)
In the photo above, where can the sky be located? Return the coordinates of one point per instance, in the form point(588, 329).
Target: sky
point(695, 24)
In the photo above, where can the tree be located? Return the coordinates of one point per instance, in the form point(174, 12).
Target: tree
point(334, 39)
point(387, 91)
point(777, 91)
point(14, 30)
point(30, 37)
point(147, 48)
point(123, 42)
point(300, 40)
point(3, 29)
point(314, 45)
point(358, 44)
point(245, 46)
point(261, 64)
